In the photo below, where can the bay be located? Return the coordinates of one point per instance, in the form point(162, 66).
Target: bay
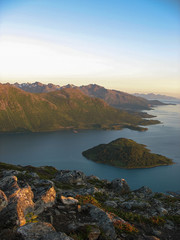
point(63, 150)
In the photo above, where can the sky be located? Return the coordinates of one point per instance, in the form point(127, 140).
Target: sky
point(128, 45)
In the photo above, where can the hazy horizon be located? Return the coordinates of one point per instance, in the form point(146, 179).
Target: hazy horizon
point(131, 46)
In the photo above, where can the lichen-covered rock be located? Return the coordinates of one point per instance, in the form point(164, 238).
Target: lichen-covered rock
point(143, 190)
point(70, 177)
point(103, 220)
point(162, 211)
point(10, 173)
point(151, 238)
point(86, 191)
point(33, 175)
point(178, 212)
point(9, 185)
point(56, 236)
point(20, 202)
point(92, 177)
point(120, 186)
point(45, 198)
point(69, 200)
point(35, 231)
point(3, 200)
point(94, 233)
point(111, 204)
point(135, 204)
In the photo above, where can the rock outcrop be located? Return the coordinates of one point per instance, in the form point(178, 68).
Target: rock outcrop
point(45, 198)
point(35, 230)
point(103, 221)
point(3, 200)
point(19, 202)
point(70, 177)
point(70, 205)
point(69, 200)
point(120, 185)
point(40, 231)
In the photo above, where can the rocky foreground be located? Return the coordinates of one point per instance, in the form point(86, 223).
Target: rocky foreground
point(49, 204)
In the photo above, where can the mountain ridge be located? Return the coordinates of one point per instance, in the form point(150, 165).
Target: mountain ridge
point(114, 98)
point(153, 96)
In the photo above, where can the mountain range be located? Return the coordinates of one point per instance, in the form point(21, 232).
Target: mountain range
point(67, 108)
point(159, 97)
point(114, 98)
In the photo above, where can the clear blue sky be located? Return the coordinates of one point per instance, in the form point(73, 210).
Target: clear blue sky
point(123, 44)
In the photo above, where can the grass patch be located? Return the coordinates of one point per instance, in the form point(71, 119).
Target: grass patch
point(85, 199)
point(101, 197)
point(125, 227)
point(66, 186)
point(97, 183)
point(6, 166)
point(46, 172)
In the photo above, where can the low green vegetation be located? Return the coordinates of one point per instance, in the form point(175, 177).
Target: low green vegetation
point(46, 172)
point(6, 166)
point(126, 153)
point(97, 183)
point(85, 199)
point(67, 186)
point(31, 218)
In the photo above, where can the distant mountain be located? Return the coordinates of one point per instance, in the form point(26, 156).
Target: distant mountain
point(126, 153)
point(37, 87)
point(152, 96)
point(114, 98)
point(118, 99)
point(65, 108)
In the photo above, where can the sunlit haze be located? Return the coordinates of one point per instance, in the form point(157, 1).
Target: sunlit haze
point(127, 45)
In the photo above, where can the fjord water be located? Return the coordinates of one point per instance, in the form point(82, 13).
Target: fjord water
point(63, 150)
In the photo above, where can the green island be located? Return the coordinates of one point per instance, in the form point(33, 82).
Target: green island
point(126, 153)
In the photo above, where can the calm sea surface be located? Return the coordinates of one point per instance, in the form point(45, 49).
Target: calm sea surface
point(63, 150)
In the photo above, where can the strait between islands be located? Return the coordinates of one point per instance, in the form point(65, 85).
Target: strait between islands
point(126, 153)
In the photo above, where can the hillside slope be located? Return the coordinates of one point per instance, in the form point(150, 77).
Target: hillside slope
point(67, 108)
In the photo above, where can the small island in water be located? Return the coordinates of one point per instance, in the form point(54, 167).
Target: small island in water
point(126, 153)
